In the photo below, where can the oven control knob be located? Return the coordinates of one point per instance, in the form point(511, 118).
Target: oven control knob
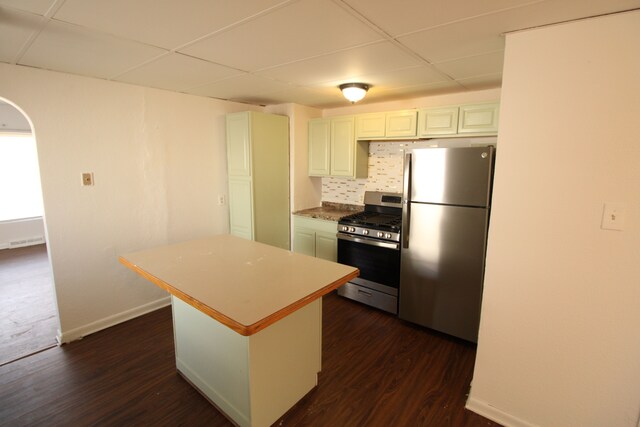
point(352, 229)
point(380, 234)
point(388, 235)
point(365, 232)
point(345, 228)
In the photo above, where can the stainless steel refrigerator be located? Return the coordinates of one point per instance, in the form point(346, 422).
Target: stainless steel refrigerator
point(445, 214)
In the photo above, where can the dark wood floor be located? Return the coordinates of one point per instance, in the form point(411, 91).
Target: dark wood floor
point(377, 371)
point(28, 320)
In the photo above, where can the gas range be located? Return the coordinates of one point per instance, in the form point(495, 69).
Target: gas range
point(370, 241)
point(381, 218)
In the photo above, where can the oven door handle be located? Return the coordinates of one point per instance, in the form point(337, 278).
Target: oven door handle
point(365, 241)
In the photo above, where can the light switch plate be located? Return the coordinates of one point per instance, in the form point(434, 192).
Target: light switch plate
point(613, 216)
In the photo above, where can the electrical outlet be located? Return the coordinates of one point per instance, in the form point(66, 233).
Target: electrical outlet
point(613, 216)
point(87, 178)
point(221, 199)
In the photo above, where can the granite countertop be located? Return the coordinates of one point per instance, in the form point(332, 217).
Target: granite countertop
point(330, 211)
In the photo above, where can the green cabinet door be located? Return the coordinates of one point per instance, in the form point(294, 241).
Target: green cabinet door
point(480, 118)
point(238, 144)
point(319, 147)
point(315, 237)
point(258, 172)
point(438, 121)
point(400, 124)
point(327, 246)
point(370, 125)
point(304, 241)
point(240, 207)
point(342, 147)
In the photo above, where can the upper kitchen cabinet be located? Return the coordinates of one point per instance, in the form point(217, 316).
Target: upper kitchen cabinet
point(334, 151)
point(319, 147)
point(395, 124)
point(438, 121)
point(258, 168)
point(463, 120)
point(482, 118)
point(371, 125)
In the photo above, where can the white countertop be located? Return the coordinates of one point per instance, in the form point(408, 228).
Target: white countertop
point(244, 284)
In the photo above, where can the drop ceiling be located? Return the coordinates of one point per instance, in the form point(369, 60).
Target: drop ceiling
point(275, 51)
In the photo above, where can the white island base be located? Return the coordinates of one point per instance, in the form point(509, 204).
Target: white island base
point(252, 379)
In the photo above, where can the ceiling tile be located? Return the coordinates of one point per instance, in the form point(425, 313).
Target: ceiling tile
point(417, 91)
point(483, 34)
point(301, 30)
point(168, 23)
point(39, 7)
point(240, 87)
point(410, 76)
point(72, 49)
point(177, 72)
point(456, 40)
point(297, 50)
point(405, 16)
point(343, 66)
point(490, 63)
point(15, 29)
point(312, 97)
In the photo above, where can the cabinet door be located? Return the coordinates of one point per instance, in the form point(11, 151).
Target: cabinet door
point(370, 125)
point(438, 121)
point(401, 124)
point(326, 246)
point(481, 118)
point(304, 241)
point(241, 207)
point(238, 144)
point(342, 146)
point(319, 147)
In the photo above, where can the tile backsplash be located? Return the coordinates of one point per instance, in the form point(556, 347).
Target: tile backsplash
point(385, 169)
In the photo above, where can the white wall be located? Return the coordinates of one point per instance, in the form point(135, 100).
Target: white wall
point(159, 163)
point(559, 340)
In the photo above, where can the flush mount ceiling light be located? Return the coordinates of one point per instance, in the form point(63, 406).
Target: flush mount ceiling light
point(354, 92)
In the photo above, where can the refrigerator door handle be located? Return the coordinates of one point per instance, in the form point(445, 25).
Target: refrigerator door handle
point(405, 200)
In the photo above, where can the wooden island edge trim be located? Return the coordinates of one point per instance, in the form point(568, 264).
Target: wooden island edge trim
point(273, 318)
point(227, 321)
point(239, 328)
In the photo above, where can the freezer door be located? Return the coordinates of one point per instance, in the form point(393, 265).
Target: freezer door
point(451, 176)
point(442, 269)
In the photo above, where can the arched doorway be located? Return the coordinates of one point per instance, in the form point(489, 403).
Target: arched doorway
point(27, 299)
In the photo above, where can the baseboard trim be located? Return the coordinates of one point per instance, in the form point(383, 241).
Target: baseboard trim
point(23, 242)
point(78, 333)
point(483, 408)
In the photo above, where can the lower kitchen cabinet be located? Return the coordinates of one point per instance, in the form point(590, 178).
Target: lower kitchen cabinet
point(315, 237)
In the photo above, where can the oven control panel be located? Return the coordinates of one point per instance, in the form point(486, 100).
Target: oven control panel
point(384, 235)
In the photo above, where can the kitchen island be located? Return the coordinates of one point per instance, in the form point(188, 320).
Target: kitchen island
point(247, 320)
